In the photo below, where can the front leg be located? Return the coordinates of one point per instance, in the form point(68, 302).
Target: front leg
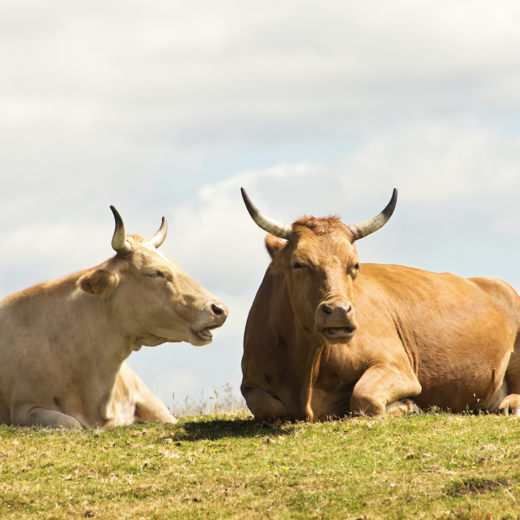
point(46, 418)
point(263, 405)
point(152, 409)
point(134, 403)
point(401, 407)
point(381, 388)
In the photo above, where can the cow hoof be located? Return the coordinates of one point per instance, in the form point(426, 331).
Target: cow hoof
point(510, 404)
point(411, 406)
point(515, 412)
point(402, 407)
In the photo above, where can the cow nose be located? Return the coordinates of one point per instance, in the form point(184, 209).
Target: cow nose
point(219, 310)
point(328, 308)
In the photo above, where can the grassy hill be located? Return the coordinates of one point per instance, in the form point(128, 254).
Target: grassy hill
point(227, 466)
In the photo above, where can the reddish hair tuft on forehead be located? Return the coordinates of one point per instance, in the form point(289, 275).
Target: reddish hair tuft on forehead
point(319, 225)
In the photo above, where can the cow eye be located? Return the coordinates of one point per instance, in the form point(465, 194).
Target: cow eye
point(297, 266)
point(156, 274)
point(356, 267)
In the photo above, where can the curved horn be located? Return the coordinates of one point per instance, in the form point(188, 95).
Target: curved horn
point(159, 237)
point(119, 242)
point(369, 226)
point(271, 226)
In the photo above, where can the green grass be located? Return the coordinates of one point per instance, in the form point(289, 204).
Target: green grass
point(426, 466)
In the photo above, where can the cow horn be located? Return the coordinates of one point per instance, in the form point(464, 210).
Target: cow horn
point(159, 237)
point(370, 226)
point(119, 242)
point(271, 226)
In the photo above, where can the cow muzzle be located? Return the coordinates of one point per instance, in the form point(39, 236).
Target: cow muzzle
point(215, 315)
point(336, 321)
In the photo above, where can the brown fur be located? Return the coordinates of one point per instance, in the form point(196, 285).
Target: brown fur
point(319, 225)
point(437, 338)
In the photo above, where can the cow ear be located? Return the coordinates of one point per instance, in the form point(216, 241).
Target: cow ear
point(100, 282)
point(274, 244)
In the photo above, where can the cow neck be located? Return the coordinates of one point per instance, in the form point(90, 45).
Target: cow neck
point(113, 348)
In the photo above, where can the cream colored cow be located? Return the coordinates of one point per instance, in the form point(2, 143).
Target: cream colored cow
point(63, 343)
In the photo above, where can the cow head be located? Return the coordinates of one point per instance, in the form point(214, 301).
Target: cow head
point(320, 262)
point(149, 295)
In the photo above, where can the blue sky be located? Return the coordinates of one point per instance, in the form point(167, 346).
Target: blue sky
point(167, 108)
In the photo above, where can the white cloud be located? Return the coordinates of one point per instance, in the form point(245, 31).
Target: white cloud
point(203, 74)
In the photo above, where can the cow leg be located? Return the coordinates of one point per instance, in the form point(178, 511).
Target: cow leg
point(381, 389)
point(401, 407)
point(511, 403)
point(46, 418)
point(263, 405)
point(152, 409)
point(134, 403)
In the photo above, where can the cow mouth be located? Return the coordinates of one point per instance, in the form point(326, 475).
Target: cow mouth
point(203, 334)
point(338, 332)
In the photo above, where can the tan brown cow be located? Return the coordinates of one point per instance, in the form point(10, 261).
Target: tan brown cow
point(326, 336)
point(63, 344)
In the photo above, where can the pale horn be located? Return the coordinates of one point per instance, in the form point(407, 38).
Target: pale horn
point(160, 236)
point(271, 226)
point(370, 226)
point(119, 242)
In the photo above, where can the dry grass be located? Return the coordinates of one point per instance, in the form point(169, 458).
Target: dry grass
point(222, 400)
point(227, 466)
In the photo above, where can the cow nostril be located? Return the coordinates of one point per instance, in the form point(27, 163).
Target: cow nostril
point(349, 308)
point(217, 309)
point(326, 309)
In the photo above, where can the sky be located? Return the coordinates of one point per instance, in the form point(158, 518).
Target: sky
point(167, 108)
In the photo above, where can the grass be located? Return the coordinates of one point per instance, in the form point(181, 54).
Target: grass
point(221, 400)
point(421, 466)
